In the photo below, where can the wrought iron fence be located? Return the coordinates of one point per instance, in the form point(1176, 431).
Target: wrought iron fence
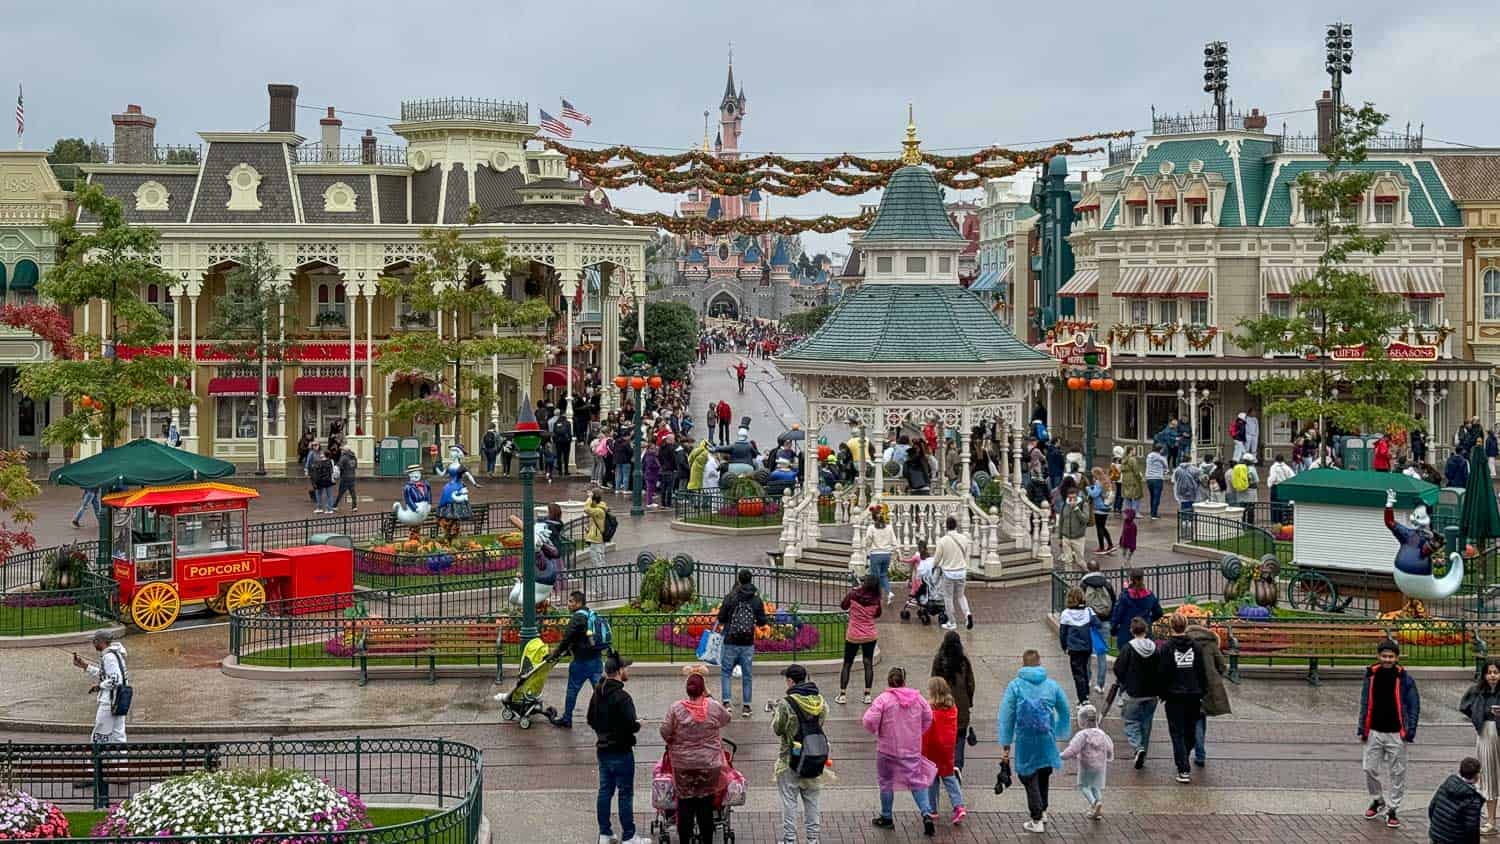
point(447, 773)
point(1123, 153)
point(39, 596)
point(1234, 535)
point(392, 566)
point(317, 153)
point(464, 108)
point(1394, 142)
point(712, 507)
point(1187, 124)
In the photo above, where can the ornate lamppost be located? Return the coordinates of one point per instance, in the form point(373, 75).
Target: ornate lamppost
point(1085, 366)
point(528, 441)
point(641, 375)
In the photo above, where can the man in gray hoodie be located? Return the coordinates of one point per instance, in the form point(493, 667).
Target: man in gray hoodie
point(1137, 669)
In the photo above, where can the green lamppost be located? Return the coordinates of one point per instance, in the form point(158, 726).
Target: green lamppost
point(1085, 366)
point(641, 375)
point(528, 441)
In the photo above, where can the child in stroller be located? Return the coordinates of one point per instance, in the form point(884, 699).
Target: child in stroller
point(664, 797)
point(923, 596)
point(524, 702)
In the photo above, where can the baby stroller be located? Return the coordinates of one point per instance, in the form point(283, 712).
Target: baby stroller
point(923, 596)
point(524, 702)
point(664, 797)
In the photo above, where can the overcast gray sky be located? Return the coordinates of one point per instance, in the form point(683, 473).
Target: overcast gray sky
point(820, 77)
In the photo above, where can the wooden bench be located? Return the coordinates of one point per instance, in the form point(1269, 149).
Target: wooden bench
point(431, 639)
point(97, 766)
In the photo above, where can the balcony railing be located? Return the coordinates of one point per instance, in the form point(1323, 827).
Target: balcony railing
point(166, 154)
point(1177, 340)
point(463, 108)
point(1123, 153)
point(1396, 142)
point(316, 153)
point(1188, 124)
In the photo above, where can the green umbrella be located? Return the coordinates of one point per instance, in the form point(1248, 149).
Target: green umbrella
point(1479, 520)
point(139, 463)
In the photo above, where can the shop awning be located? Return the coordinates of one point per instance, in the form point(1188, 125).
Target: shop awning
point(242, 385)
point(1132, 280)
point(1388, 280)
point(1277, 281)
point(1425, 282)
point(1083, 283)
point(1006, 275)
point(557, 376)
point(26, 276)
point(1162, 282)
point(1193, 281)
point(327, 385)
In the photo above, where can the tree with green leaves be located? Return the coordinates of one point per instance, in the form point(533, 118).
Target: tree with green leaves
point(111, 263)
point(251, 323)
point(449, 280)
point(806, 322)
point(1338, 307)
point(671, 338)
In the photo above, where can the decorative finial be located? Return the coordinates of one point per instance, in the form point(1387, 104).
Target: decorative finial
point(731, 54)
point(911, 152)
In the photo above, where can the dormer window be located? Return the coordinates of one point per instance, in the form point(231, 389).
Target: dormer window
point(884, 265)
point(1385, 209)
point(1198, 213)
point(1168, 214)
point(916, 263)
point(1138, 215)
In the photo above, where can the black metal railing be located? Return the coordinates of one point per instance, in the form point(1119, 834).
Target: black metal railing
point(713, 507)
point(317, 153)
point(1123, 153)
point(1395, 142)
point(464, 108)
point(1188, 124)
point(368, 527)
point(391, 564)
point(444, 774)
point(1232, 535)
point(39, 595)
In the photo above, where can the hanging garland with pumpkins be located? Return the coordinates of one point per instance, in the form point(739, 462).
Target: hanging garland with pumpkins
point(825, 224)
point(1200, 338)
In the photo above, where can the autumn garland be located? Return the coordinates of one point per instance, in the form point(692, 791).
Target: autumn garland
point(776, 225)
point(1200, 340)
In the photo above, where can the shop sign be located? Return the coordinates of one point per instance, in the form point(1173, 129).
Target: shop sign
point(1395, 351)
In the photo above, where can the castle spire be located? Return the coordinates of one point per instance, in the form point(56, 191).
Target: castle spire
point(911, 152)
point(729, 94)
point(705, 130)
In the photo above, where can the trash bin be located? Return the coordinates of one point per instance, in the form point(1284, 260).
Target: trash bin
point(1359, 452)
point(411, 452)
point(388, 459)
point(338, 540)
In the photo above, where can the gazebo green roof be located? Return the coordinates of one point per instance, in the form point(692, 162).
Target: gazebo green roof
point(913, 323)
point(912, 209)
point(1354, 488)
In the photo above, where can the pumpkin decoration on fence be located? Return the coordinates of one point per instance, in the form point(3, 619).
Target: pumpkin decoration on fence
point(1265, 590)
point(751, 507)
point(1236, 578)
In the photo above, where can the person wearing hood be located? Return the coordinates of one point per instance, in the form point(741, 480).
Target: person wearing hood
point(711, 471)
point(802, 704)
point(740, 613)
point(952, 664)
point(1094, 750)
point(1185, 486)
point(863, 605)
point(1453, 814)
point(1456, 470)
point(1072, 526)
point(1099, 593)
point(1132, 481)
point(1280, 471)
point(1481, 703)
point(108, 676)
point(898, 719)
point(691, 732)
point(651, 472)
point(612, 715)
point(1184, 678)
point(1215, 694)
point(1033, 713)
point(1075, 633)
point(1136, 602)
point(1138, 669)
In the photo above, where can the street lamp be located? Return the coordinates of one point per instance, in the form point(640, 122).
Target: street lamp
point(527, 438)
point(641, 375)
point(1216, 77)
point(1340, 61)
point(1088, 370)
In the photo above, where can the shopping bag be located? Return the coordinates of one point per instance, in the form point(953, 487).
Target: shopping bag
point(711, 647)
point(1100, 645)
point(663, 790)
point(734, 787)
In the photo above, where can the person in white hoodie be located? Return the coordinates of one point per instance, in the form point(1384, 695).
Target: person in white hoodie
point(952, 561)
point(1279, 472)
point(108, 676)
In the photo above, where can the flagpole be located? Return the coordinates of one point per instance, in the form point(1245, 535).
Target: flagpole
point(20, 117)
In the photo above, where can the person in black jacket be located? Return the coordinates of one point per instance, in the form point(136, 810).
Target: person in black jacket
point(1184, 678)
point(740, 613)
point(612, 716)
point(1453, 814)
point(586, 666)
point(1137, 669)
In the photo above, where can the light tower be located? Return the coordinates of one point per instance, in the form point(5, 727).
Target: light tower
point(1216, 78)
point(1340, 44)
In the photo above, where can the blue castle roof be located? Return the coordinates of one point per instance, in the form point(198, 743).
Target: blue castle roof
point(714, 209)
point(755, 194)
point(752, 255)
point(696, 256)
point(779, 258)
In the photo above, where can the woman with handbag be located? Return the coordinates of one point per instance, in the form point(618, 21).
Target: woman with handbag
point(1482, 704)
point(110, 685)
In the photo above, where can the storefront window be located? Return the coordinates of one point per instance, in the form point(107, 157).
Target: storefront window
point(210, 533)
point(1159, 410)
point(150, 422)
point(318, 413)
point(1127, 417)
point(236, 418)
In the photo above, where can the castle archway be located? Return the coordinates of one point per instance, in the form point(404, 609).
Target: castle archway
point(723, 305)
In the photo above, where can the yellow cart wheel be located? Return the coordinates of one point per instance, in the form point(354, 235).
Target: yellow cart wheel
point(244, 593)
point(155, 607)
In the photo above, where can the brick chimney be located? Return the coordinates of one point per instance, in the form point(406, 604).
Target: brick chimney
point(283, 107)
point(367, 147)
point(1255, 121)
point(1325, 119)
point(135, 137)
point(330, 126)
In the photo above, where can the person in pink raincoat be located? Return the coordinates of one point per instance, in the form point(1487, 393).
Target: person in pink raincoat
point(898, 718)
point(691, 732)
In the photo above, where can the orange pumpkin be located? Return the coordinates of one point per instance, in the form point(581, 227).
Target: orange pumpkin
point(1192, 611)
point(750, 507)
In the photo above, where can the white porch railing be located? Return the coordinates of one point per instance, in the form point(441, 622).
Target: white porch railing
point(1153, 341)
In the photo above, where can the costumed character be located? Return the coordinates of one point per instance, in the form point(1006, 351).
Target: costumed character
point(740, 454)
point(453, 507)
point(1414, 572)
point(548, 563)
point(416, 502)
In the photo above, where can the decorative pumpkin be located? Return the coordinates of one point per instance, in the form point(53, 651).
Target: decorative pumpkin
point(1265, 592)
point(750, 507)
point(1259, 613)
point(1192, 611)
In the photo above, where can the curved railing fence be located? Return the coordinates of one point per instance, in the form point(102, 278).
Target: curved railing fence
point(444, 775)
point(55, 590)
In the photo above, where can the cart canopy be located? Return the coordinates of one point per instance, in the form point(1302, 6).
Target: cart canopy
point(140, 463)
point(169, 496)
point(1356, 488)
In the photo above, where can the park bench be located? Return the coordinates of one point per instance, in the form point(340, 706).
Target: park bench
point(389, 530)
point(1314, 641)
point(97, 766)
point(475, 639)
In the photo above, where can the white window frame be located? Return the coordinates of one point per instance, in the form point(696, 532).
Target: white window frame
point(1168, 214)
point(1279, 308)
point(1167, 311)
point(945, 265)
point(1139, 216)
point(1389, 209)
point(321, 410)
point(885, 265)
point(1139, 311)
point(148, 422)
point(916, 264)
point(1489, 286)
point(1424, 312)
point(1194, 305)
point(229, 418)
point(1198, 213)
point(326, 296)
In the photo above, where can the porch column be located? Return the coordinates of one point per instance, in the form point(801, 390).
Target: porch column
point(370, 361)
point(1431, 414)
point(192, 297)
point(569, 284)
point(963, 460)
point(1192, 420)
point(495, 378)
point(1017, 440)
point(176, 291)
point(284, 284)
point(609, 351)
point(351, 407)
point(875, 449)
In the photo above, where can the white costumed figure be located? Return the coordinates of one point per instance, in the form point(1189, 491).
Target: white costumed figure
point(547, 565)
point(1413, 570)
point(416, 501)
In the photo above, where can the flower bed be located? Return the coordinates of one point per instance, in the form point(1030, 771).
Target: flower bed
point(23, 817)
point(237, 803)
point(784, 633)
point(465, 556)
point(42, 599)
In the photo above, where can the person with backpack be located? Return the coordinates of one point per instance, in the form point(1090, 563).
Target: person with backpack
point(587, 638)
point(691, 733)
point(1099, 594)
point(1184, 679)
point(1237, 436)
point(489, 449)
point(939, 745)
point(347, 466)
point(864, 606)
point(803, 757)
point(1138, 670)
point(598, 514)
point(611, 714)
point(1244, 484)
point(109, 678)
point(898, 719)
point(1076, 626)
point(1072, 528)
point(740, 613)
point(1033, 713)
point(562, 444)
point(323, 480)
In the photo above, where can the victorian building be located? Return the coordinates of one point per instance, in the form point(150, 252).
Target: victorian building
point(336, 218)
point(1472, 176)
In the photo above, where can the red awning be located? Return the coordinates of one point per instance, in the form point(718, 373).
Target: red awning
point(327, 385)
point(1166, 201)
point(557, 376)
point(242, 385)
point(1196, 200)
point(1141, 201)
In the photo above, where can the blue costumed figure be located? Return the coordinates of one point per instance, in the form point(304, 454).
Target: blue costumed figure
point(1414, 572)
point(416, 501)
point(453, 507)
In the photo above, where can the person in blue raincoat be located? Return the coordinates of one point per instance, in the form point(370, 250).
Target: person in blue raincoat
point(1033, 717)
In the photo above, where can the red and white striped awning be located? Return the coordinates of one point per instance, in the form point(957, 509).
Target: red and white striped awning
point(1388, 280)
point(1083, 283)
point(1425, 282)
point(1132, 279)
point(1194, 282)
point(1277, 281)
point(1163, 282)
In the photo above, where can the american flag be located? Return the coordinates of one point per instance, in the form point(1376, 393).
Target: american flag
point(20, 112)
point(571, 113)
point(555, 126)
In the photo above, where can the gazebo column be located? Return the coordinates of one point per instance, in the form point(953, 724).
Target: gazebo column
point(963, 460)
point(875, 448)
point(811, 467)
point(1017, 440)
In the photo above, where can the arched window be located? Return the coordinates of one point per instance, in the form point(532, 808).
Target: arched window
point(1492, 294)
point(23, 282)
point(332, 306)
point(159, 298)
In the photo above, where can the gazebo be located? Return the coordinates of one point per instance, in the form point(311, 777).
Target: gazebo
point(912, 346)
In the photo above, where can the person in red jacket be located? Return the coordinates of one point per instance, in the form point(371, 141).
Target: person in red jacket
point(938, 744)
point(724, 417)
point(1382, 455)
